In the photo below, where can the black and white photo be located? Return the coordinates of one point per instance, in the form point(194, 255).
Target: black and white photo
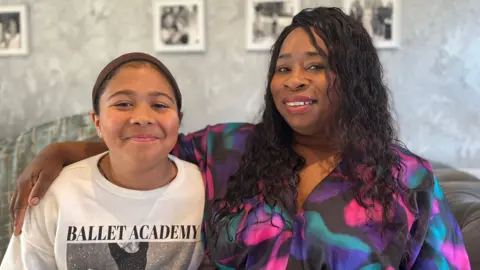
point(179, 25)
point(266, 20)
point(134, 255)
point(13, 30)
point(379, 17)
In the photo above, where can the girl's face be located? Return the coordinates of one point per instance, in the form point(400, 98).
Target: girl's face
point(138, 117)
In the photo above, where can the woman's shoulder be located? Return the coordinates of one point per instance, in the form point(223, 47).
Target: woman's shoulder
point(225, 129)
point(214, 142)
point(222, 137)
point(416, 172)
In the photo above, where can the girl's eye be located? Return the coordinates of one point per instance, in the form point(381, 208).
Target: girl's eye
point(123, 105)
point(159, 106)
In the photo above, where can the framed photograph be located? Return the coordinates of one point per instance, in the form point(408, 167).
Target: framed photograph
point(381, 18)
point(179, 25)
point(265, 21)
point(13, 30)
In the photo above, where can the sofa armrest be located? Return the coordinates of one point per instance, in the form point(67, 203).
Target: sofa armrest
point(16, 153)
point(462, 191)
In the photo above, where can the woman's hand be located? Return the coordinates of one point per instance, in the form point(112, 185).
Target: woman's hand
point(36, 178)
point(33, 182)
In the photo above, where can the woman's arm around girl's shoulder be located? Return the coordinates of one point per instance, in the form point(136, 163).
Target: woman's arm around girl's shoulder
point(214, 140)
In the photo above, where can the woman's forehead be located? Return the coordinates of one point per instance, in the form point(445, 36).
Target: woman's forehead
point(299, 40)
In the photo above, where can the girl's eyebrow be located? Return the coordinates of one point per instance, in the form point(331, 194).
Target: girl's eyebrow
point(129, 92)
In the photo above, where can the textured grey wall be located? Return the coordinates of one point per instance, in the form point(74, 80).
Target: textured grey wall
point(434, 75)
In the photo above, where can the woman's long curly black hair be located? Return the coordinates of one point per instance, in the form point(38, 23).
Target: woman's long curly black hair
point(362, 122)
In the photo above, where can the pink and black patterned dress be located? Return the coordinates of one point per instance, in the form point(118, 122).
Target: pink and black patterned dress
point(331, 231)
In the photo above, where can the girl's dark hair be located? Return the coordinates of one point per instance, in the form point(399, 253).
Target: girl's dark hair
point(135, 60)
point(361, 121)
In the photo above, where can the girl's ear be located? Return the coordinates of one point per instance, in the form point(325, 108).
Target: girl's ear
point(180, 116)
point(96, 122)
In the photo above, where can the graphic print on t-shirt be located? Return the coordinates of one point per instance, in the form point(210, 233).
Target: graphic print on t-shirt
point(136, 247)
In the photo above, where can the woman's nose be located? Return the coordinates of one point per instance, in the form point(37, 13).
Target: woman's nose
point(296, 81)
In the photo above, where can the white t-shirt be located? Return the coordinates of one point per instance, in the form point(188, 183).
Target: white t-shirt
point(86, 222)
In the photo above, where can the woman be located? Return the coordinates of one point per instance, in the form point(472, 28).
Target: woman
point(101, 212)
point(320, 182)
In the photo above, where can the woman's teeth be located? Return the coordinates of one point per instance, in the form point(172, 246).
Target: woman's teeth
point(299, 103)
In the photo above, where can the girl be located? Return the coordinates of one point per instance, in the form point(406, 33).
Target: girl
point(132, 207)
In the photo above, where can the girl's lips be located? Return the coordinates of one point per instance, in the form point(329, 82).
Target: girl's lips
point(143, 138)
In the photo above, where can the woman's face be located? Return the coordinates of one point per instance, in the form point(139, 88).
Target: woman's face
point(301, 82)
point(138, 117)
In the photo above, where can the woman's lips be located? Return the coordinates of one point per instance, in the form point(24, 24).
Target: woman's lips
point(299, 109)
point(299, 104)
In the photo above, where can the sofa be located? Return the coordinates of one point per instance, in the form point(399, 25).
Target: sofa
point(461, 189)
point(17, 152)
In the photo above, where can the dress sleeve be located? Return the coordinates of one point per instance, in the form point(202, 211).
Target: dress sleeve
point(442, 246)
point(185, 148)
point(195, 147)
point(217, 151)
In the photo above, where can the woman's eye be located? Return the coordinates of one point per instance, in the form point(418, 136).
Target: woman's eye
point(316, 67)
point(282, 69)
